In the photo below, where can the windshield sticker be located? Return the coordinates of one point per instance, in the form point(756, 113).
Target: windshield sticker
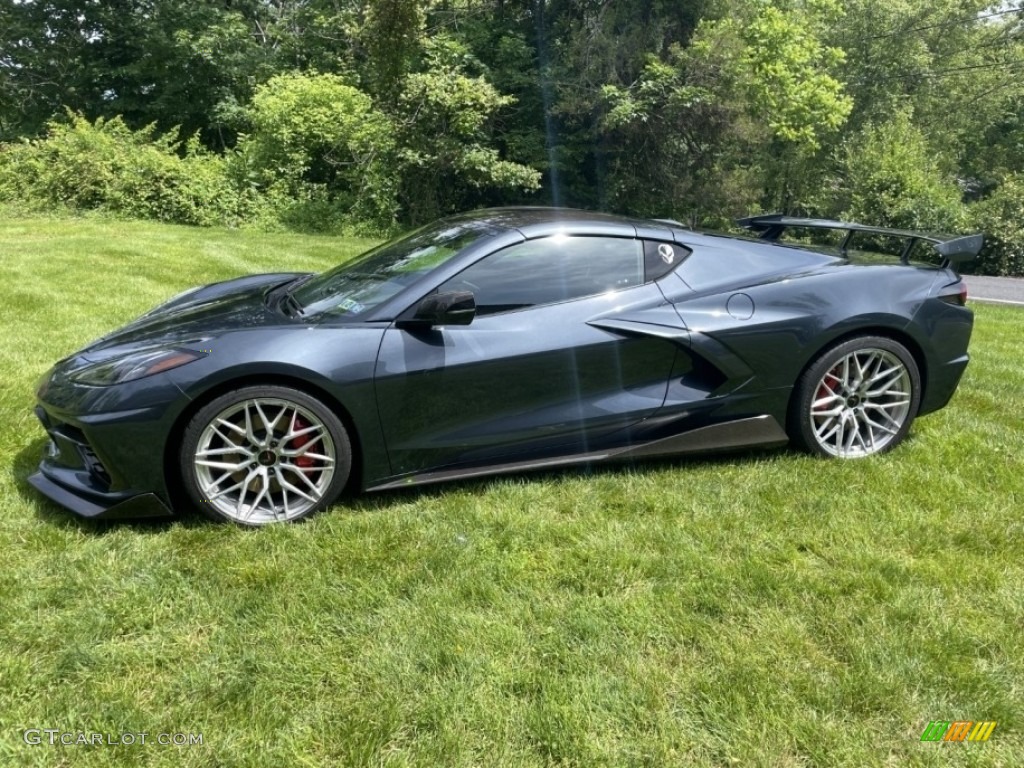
point(667, 253)
point(351, 305)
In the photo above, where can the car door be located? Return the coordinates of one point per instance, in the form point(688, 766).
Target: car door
point(529, 377)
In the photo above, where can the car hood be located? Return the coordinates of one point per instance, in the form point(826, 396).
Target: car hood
point(198, 315)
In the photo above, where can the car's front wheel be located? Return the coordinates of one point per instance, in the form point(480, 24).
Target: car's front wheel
point(857, 399)
point(264, 454)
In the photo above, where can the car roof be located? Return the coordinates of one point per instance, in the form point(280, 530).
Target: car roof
point(537, 221)
point(542, 221)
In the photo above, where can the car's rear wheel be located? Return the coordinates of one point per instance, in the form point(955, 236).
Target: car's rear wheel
point(857, 399)
point(264, 454)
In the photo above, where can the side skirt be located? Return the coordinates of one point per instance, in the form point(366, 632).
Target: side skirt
point(756, 431)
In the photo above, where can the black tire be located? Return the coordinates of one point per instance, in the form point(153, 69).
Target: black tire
point(856, 399)
point(248, 453)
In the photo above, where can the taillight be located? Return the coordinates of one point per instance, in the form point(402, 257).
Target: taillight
point(955, 294)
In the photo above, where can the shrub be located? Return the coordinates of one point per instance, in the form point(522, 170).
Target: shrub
point(321, 145)
point(893, 180)
point(1000, 216)
point(106, 166)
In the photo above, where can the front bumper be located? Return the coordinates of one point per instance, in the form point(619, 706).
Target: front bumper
point(93, 465)
point(73, 474)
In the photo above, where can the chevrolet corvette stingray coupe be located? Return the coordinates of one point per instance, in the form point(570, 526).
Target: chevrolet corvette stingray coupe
point(501, 341)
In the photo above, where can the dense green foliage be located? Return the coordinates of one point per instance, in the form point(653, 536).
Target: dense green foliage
point(1001, 217)
point(892, 179)
point(319, 146)
point(381, 113)
point(107, 166)
point(763, 610)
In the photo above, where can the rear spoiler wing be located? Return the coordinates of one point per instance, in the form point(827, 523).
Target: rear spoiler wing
point(954, 249)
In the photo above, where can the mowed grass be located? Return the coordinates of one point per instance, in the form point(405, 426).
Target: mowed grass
point(760, 609)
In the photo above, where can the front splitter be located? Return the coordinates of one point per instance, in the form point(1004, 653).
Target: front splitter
point(145, 505)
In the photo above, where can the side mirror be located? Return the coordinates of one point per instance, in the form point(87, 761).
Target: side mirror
point(454, 308)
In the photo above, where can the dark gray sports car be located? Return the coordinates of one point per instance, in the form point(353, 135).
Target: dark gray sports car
point(506, 340)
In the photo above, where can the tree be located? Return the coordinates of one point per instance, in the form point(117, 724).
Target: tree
point(893, 178)
point(956, 65)
point(444, 118)
point(316, 138)
point(1001, 217)
point(701, 110)
point(736, 120)
point(164, 61)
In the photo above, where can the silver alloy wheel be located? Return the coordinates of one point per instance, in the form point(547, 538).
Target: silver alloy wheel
point(861, 403)
point(264, 460)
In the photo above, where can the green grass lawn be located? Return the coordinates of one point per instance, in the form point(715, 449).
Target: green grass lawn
point(750, 610)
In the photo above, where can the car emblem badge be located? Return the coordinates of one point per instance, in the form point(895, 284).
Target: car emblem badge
point(667, 253)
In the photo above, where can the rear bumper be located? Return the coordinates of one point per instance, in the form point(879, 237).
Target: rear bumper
point(942, 383)
point(945, 341)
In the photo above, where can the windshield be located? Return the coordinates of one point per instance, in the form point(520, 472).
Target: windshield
point(377, 275)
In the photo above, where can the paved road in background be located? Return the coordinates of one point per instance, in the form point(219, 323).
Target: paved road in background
point(1002, 290)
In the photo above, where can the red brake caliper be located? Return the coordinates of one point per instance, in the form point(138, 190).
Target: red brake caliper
point(298, 442)
point(824, 390)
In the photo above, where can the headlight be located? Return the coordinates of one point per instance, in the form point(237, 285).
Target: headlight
point(135, 365)
point(43, 384)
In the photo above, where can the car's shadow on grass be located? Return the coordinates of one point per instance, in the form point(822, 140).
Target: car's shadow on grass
point(382, 500)
point(27, 460)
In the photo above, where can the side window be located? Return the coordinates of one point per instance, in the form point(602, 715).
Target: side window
point(662, 258)
point(550, 270)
